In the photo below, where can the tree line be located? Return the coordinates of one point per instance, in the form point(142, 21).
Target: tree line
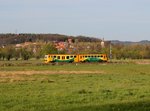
point(118, 51)
point(132, 51)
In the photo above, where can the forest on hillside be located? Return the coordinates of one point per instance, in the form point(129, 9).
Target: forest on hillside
point(6, 39)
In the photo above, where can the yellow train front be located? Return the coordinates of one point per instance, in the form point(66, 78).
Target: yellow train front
point(60, 58)
point(75, 58)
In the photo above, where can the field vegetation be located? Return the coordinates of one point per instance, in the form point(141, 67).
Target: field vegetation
point(118, 86)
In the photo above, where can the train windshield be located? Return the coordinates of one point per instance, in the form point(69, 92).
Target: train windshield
point(46, 56)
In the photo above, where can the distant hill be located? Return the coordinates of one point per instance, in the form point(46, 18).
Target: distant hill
point(6, 39)
point(21, 38)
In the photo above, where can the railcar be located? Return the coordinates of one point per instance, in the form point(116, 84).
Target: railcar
point(75, 58)
point(92, 58)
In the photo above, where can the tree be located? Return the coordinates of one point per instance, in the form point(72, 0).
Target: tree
point(17, 53)
point(9, 51)
point(49, 49)
point(37, 53)
point(0, 53)
point(3, 53)
point(25, 54)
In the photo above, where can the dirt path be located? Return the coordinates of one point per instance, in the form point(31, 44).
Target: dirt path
point(13, 73)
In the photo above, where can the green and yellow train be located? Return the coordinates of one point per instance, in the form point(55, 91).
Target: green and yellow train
point(50, 58)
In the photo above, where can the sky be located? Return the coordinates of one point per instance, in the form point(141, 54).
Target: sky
point(125, 20)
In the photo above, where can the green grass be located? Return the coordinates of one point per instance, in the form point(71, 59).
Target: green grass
point(121, 87)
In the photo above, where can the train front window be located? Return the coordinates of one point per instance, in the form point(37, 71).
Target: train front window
point(46, 56)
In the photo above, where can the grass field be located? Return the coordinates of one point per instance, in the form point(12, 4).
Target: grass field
point(71, 87)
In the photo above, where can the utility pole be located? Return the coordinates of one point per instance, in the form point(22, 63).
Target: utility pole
point(110, 51)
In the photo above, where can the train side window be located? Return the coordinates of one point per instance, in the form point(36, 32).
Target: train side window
point(75, 56)
point(88, 56)
point(49, 56)
point(80, 57)
point(91, 56)
point(101, 55)
point(85, 56)
point(63, 57)
point(71, 56)
point(67, 57)
point(98, 56)
point(58, 57)
point(95, 56)
point(54, 56)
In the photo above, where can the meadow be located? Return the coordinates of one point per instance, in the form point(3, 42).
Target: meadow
point(28, 86)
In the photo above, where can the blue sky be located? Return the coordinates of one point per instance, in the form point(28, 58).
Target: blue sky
point(127, 20)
